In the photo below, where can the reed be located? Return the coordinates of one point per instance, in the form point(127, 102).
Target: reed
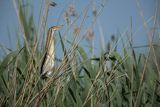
point(81, 77)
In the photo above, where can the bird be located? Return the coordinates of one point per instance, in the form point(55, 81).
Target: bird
point(48, 60)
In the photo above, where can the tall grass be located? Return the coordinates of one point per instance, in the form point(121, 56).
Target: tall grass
point(79, 80)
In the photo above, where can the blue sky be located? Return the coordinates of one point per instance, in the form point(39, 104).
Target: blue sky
point(115, 17)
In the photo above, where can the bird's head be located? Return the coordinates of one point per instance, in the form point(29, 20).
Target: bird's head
point(56, 27)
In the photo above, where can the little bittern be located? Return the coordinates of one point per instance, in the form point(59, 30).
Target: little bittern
point(49, 57)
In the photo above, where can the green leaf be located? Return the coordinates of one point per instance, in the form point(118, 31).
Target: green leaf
point(8, 60)
point(62, 44)
point(72, 94)
point(87, 72)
